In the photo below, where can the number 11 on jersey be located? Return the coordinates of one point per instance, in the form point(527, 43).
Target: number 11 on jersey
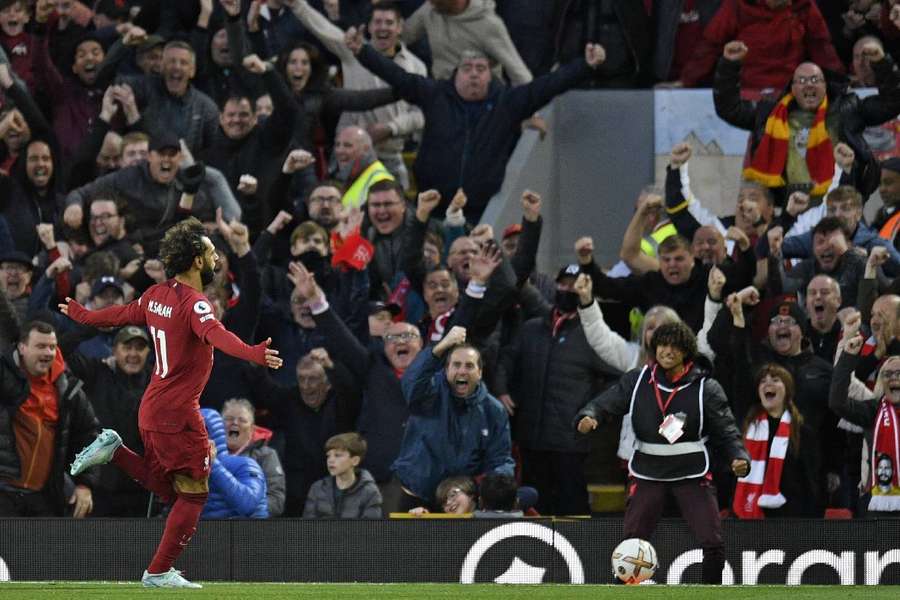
point(159, 351)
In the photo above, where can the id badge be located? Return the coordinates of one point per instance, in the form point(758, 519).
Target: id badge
point(672, 427)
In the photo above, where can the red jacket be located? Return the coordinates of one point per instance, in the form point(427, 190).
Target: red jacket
point(778, 40)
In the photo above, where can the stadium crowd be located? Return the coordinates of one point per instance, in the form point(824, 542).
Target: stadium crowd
point(425, 356)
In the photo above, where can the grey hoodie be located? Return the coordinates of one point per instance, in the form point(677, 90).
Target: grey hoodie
point(477, 28)
point(362, 500)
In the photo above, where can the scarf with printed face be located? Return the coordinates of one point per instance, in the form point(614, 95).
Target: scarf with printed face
point(761, 488)
point(768, 162)
point(885, 456)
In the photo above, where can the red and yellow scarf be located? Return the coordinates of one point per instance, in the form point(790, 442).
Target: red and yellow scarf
point(769, 160)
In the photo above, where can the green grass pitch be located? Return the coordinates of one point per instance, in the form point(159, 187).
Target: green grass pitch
point(300, 591)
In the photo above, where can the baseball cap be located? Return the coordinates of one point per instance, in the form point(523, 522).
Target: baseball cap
point(16, 256)
point(378, 306)
point(149, 43)
point(514, 229)
point(107, 281)
point(571, 270)
point(130, 332)
point(163, 140)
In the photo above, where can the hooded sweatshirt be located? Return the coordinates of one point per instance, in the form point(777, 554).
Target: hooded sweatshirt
point(476, 28)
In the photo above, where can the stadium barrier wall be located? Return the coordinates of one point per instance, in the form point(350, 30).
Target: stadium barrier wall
point(864, 552)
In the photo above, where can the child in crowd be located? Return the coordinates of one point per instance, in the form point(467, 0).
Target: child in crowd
point(348, 492)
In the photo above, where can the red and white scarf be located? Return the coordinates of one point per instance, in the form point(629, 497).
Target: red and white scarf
point(438, 326)
point(761, 488)
point(886, 446)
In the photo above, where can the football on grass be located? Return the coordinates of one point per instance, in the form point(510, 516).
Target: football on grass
point(634, 561)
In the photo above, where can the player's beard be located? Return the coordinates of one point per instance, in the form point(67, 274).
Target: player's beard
point(207, 274)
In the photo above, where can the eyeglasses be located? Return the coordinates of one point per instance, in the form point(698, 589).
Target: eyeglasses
point(813, 79)
point(892, 374)
point(406, 336)
point(789, 321)
point(324, 199)
point(452, 494)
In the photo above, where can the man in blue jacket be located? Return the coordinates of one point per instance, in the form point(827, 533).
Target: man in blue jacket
point(472, 122)
point(455, 426)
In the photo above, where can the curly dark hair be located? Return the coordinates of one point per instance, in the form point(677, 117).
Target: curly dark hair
point(182, 243)
point(677, 334)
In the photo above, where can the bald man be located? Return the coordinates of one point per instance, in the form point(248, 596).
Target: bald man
point(817, 115)
point(357, 165)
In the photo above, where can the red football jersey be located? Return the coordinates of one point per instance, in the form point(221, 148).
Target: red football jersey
point(179, 320)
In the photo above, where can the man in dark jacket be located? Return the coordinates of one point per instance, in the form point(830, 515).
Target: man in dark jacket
point(115, 386)
point(545, 376)
point(45, 415)
point(845, 118)
point(315, 408)
point(455, 425)
point(248, 147)
point(471, 122)
point(157, 193)
point(679, 284)
point(377, 371)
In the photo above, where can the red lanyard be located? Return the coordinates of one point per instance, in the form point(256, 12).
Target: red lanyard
point(664, 407)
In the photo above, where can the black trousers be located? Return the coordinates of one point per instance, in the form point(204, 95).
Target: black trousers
point(25, 504)
point(559, 480)
point(696, 499)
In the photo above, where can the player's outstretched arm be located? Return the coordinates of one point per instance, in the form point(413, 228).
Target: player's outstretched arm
point(111, 316)
point(230, 344)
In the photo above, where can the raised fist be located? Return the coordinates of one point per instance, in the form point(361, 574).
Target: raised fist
point(681, 153)
point(797, 203)
point(296, 160)
point(844, 157)
point(749, 296)
point(426, 203)
point(873, 51)
point(584, 250)
point(735, 50)
point(595, 55)
point(715, 282)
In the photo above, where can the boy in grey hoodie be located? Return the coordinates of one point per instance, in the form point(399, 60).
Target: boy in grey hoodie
point(348, 492)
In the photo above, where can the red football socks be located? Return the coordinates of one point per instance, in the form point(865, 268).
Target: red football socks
point(180, 527)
